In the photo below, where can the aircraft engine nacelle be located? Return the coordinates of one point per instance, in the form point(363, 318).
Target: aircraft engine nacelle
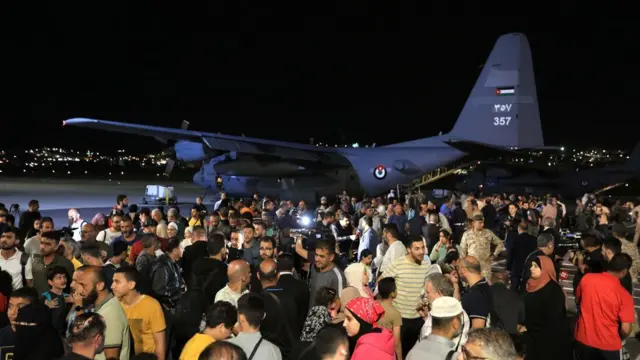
point(188, 151)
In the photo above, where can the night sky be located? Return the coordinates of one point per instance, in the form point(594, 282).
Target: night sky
point(294, 78)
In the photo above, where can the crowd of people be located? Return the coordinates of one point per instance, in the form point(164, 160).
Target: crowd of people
point(373, 278)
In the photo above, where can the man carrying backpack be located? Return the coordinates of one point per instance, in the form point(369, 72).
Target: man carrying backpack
point(75, 224)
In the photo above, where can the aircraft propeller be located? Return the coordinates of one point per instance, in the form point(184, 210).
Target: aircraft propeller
point(170, 152)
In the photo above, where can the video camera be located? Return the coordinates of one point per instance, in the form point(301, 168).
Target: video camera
point(309, 237)
point(67, 233)
point(301, 232)
point(570, 241)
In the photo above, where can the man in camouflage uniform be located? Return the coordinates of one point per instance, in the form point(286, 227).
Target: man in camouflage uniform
point(623, 233)
point(477, 242)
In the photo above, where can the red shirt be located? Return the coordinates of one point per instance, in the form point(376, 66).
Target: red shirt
point(604, 304)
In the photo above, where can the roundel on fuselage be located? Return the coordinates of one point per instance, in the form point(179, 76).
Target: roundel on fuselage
point(380, 172)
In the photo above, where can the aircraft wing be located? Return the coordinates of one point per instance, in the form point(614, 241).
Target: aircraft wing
point(227, 143)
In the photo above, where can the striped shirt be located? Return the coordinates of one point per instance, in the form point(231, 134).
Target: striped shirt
point(409, 278)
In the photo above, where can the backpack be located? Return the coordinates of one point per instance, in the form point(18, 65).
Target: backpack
point(24, 258)
point(104, 236)
point(190, 309)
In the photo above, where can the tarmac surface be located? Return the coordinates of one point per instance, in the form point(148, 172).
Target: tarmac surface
point(57, 196)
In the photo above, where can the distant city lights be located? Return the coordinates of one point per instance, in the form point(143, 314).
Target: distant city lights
point(60, 161)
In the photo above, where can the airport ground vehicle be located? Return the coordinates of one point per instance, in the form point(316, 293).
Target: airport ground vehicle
point(159, 194)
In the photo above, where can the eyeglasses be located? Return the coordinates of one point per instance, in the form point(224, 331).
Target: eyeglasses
point(467, 355)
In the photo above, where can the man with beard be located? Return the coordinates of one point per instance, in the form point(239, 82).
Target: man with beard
point(409, 271)
point(75, 223)
point(13, 261)
point(122, 203)
point(32, 245)
point(129, 237)
point(49, 244)
point(477, 300)
point(89, 284)
point(267, 251)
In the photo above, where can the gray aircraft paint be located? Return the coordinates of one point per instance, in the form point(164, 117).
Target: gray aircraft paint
point(506, 83)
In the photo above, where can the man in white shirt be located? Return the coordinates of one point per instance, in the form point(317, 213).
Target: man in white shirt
point(76, 223)
point(13, 260)
point(108, 235)
point(239, 274)
point(395, 250)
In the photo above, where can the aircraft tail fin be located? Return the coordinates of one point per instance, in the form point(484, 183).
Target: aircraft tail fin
point(502, 109)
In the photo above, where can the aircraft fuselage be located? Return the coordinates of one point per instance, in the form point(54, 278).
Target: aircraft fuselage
point(372, 170)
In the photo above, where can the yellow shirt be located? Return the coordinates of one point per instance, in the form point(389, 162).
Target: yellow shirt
point(195, 222)
point(195, 346)
point(76, 263)
point(145, 319)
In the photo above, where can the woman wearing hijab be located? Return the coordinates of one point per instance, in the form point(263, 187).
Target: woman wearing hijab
point(33, 326)
point(357, 275)
point(546, 327)
point(372, 341)
point(99, 221)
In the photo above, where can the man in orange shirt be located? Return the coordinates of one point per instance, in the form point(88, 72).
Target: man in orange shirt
point(144, 313)
point(606, 312)
point(220, 319)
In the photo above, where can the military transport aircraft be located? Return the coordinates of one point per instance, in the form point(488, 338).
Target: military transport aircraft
point(501, 114)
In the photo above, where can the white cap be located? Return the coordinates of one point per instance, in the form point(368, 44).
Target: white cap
point(173, 225)
point(446, 306)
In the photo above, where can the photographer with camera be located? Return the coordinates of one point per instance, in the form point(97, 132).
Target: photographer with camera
point(325, 272)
